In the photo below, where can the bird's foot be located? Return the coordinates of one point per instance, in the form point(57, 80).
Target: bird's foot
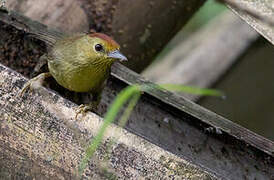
point(34, 83)
point(84, 108)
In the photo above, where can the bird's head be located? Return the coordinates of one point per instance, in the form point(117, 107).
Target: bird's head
point(104, 48)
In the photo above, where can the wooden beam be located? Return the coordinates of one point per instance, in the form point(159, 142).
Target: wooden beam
point(212, 142)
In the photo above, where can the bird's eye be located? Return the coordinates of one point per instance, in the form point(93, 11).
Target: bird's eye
point(99, 48)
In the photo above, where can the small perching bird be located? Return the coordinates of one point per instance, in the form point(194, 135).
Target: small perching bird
point(80, 63)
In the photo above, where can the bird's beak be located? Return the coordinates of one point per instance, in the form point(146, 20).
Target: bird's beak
point(117, 55)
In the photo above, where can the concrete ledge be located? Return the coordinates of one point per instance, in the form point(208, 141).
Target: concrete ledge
point(39, 138)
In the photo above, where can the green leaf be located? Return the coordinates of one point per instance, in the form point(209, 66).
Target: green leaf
point(192, 90)
point(115, 107)
point(132, 103)
point(133, 93)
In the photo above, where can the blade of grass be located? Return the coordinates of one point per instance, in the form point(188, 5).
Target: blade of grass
point(134, 92)
point(119, 101)
point(133, 101)
point(192, 90)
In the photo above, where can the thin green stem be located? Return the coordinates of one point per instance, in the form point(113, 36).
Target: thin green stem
point(119, 101)
point(133, 101)
point(192, 90)
point(134, 92)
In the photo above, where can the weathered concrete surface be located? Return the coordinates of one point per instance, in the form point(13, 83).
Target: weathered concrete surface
point(40, 138)
point(262, 17)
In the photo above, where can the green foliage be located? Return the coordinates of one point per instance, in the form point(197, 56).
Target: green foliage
point(192, 90)
point(132, 102)
point(131, 94)
point(114, 109)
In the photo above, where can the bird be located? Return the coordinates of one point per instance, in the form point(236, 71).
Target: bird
point(80, 63)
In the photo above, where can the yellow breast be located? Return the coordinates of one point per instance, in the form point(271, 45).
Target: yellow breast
point(80, 79)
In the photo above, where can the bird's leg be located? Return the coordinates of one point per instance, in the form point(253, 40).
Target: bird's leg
point(42, 61)
point(92, 106)
point(34, 83)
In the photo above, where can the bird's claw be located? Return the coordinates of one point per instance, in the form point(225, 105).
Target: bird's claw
point(84, 108)
point(34, 83)
point(29, 85)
